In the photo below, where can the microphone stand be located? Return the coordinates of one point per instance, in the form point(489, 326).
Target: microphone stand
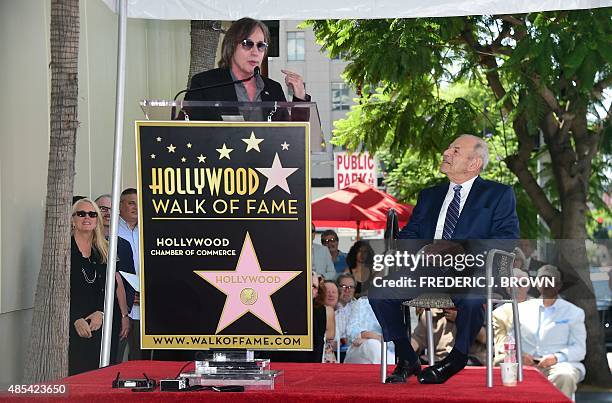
point(256, 72)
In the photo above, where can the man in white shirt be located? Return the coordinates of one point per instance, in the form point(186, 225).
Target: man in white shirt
point(553, 334)
point(128, 230)
point(321, 259)
point(346, 285)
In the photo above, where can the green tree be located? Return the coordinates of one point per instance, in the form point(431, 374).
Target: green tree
point(546, 72)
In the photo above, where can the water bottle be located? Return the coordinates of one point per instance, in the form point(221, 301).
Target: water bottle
point(510, 349)
point(509, 370)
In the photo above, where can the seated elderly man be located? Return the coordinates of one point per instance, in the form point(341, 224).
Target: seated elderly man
point(346, 286)
point(365, 334)
point(553, 334)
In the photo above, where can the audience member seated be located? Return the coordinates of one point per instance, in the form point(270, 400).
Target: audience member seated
point(531, 263)
point(359, 263)
point(321, 259)
point(503, 317)
point(320, 299)
point(89, 252)
point(444, 331)
point(346, 285)
point(329, 238)
point(331, 294)
point(365, 335)
point(553, 334)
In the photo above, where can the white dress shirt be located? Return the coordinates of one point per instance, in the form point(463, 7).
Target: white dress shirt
point(465, 191)
point(132, 236)
point(343, 312)
point(558, 329)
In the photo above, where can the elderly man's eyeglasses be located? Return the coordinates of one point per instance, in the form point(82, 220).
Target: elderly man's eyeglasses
point(328, 240)
point(248, 45)
point(105, 209)
point(347, 287)
point(81, 213)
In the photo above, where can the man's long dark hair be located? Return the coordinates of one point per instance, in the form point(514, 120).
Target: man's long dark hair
point(239, 31)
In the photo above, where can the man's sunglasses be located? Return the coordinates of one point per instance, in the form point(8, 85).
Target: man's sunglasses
point(248, 45)
point(326, 241)
point(82, 213)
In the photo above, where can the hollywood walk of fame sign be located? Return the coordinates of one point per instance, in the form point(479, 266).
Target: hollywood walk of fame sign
point(225, 236)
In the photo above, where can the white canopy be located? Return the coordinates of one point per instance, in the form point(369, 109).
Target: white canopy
point(229, 10)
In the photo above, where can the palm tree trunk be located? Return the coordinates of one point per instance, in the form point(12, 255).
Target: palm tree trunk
point(204, 42)
point(48, 350)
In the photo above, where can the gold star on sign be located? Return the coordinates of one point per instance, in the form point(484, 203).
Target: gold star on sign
point(152, 156)
point(188, 145)
point(252, 143)
point(183, 159)
point(224, 152)
point(171, 148)
point(201, 158)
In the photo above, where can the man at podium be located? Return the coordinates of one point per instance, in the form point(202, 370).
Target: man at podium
point(242, 52)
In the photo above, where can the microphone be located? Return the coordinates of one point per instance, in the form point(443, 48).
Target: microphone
point(256, 72)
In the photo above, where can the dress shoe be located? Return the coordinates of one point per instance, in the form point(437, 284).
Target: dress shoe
point(442, 371)
point(403, 370)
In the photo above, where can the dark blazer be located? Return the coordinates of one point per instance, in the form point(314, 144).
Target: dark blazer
point(272, 91)
point(125, 263)
point(488, 213)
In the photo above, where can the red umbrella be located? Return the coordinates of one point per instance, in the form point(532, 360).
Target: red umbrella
point(358, 206)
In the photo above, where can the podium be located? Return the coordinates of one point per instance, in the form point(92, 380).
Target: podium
point(224, 223)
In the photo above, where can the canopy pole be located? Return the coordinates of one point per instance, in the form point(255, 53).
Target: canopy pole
point(109, 292)
point(358, 225)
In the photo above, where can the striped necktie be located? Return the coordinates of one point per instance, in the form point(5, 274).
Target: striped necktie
point(452, 214)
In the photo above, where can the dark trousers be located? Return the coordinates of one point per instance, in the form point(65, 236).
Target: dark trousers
point(135, 352)
point(470, 318)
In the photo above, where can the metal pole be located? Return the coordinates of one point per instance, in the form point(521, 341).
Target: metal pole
point(517, 333)
point(489, 317)
point(112, 253)
point(431, 349)
point(383, 360)
point(489, 342)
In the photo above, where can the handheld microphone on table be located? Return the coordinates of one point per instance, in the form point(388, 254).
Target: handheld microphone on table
point(256, 72)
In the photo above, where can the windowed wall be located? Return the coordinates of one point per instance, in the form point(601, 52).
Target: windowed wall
point(295, 46)
point(340, 98)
